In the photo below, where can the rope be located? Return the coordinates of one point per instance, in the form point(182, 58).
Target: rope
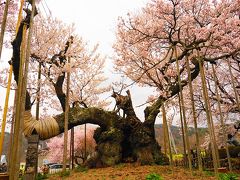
point(46, 128)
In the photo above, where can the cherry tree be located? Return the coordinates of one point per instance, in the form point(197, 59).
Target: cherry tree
point(87, 75)
point(148, 46)
point(56, 144)
point(144, 46)
point(12, 14)
point(198, 30)
point(86, 66)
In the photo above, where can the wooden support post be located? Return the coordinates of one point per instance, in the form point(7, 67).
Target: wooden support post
point(17, 138)
point(38, 92)
point(182, 129)
point(5, 111)
point(221, 118)
point(21, 97)
point(66, 121)
point(164, 137)
point(3, 26)
point(194, 117)
point(33, 141)
point(209, 119)
point(72, 148)
point(233, 84)
point(167, 134)
point(9, 79)
point(183, 112)
point(85, 142)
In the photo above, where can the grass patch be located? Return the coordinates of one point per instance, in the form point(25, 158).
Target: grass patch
point(209, 173)
point(41, 176)
point(81, 169)
point(64, 173)
point(228, 176)
point(154, 176)
point(120, 165)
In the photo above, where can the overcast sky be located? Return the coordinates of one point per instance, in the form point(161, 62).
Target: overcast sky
point(96, 21)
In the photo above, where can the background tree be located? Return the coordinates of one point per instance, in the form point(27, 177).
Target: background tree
point(56, 144)
point(145, 41)
point(12, 14)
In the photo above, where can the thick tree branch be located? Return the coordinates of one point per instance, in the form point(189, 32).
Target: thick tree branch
point(79, 116)
point(152, 111)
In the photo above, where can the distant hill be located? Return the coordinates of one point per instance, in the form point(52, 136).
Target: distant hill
point(6, 146)
point(176, 132)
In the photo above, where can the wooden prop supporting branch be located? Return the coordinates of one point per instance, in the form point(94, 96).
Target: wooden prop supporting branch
point(164, 137)
point(3, 26)
point(38, 92)
point(182, 129)
point(221, 119)
point(11, 136)
point(17, 138)
point(194, 116)
point(5, 111)
point(10, 69)
point(33, 140)
point(15, 97)
point(72, 148)
point(21, 80)
point(233, 85)
point(183, 112)
point(85, 142)
point(210, 127)
point(167, 134)
point(66, 119)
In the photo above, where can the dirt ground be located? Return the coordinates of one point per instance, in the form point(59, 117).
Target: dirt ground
point(131, 172)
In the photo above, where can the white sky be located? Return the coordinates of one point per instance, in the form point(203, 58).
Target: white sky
point(95, 22)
